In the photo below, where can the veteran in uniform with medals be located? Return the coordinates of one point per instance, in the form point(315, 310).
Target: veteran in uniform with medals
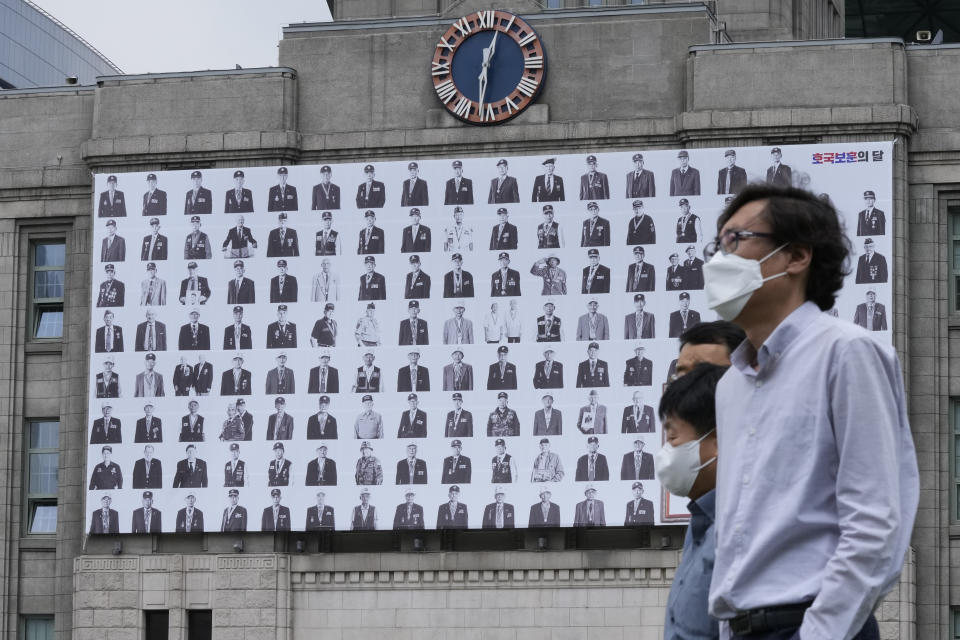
point(549, 235)
point(503, 421)
point(554, 278)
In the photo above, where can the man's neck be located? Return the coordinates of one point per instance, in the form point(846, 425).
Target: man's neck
point(760, 328)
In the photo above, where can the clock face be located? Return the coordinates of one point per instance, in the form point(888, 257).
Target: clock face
point(488, 67)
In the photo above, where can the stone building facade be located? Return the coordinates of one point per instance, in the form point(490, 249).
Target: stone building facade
point(670, 75)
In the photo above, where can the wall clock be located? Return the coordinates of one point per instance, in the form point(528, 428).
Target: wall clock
point(488, 67)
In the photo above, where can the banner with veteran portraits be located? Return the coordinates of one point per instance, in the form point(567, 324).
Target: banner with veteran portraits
point(427, 343)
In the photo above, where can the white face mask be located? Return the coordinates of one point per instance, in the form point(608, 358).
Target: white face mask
point(730, 280)
point(677, 467)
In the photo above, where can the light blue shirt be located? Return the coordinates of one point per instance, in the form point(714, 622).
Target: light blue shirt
point(817, 482)
point(687, 617)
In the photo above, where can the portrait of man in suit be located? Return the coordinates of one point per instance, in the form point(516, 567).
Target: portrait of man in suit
point(411, 470)
point(111, 291)
point(240, 289)
point(778, 174)
point(326, 284)
point(548, 373)
point(417, 285)
point(240, 242)
point(154, 200)
point(413, 422)
point(282, 334)
point(324, 378)
point(503, 188)
point(234, 516)
point(548, 187)
point(505, 281)
point(593, 415)
point(194, 336)
point(596, 277)
point(202, 376)
point(692, 270)
point(457, 283)
point(593, 372)
point(684, 180)
point(149, 383)
point(731, 179)
point(191, 425)
point(106, 474)
point(409, 514)
point(154, 246)
point(594, 184)
point(459, 423)
point(238, 199)
point(112, 203)
point(373, 286)
point(640, 182)
point(234, 471)
point(458, 190)
point(371, 239)
point(589, 513)
point(236, 381)
point(324, 333)
point(237, 335)
point(502, 374)
point(191, 471)
point(197, 244)
point(283, 242)
point(415, 236)
point(104, 519)
point(453, 513)
point(149, 428)
point(638, 370)
point(641, 229)
point(326, 195)
point(106, 430)
point(458, 375)
point(504, 234)
point(413, 330)
point(276, 517)
point(189, 519)
point(147, 472)
point(415, 193)
point(638, 417)
point(282, 196)
point(871, 266)
point(413, 377)
point(371, 193)
point(544, 513)
point(595, 231)
point(199, 199)
point(456, 467)
point(458, 329)
point(498, 514)
point(146, 519)
point(547, 421)
point(321, 471)
point(675, 273)
point(153, 290)
point(194, 289)
point(684, 317)
point(113, 248)
point(641, 276)
point(503, 465)
point(280, 423)
point(870, 220)
point(109, 337)
point(546, 466)
point(320, 517)
point(322, 425)
point(871, 315)
point(639, 510)
point(637, 464)
point(280, 470)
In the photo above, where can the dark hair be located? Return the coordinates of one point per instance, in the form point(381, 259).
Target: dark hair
point(800, 217)
point(716, 332)
point(691, 397)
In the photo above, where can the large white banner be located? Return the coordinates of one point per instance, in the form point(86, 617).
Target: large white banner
point(233, 311)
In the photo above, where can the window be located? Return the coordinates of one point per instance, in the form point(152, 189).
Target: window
point(49, 259)
point(955, 461)
point(953, 216)
point(156, 624)
point(554, 4)
point(43, 456)
point(955, 614)
point(199, 624)
point(37, 628)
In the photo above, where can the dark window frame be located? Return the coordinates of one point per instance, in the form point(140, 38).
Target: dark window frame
point(31, 501)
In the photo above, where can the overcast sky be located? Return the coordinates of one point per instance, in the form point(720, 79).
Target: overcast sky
point(154, 36)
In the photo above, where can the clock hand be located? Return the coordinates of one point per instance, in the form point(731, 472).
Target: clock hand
point(487, 59)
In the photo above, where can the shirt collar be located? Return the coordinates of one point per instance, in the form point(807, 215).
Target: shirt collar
point(702, 512)
point(778, 341)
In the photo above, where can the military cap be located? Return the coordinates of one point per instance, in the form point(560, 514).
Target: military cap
point(869, 194)
point(326, 215)
point(502, 161)
point(192, 495)
point(553, 257)
point(324, 399)
point(370, 305)
point(728, 200)
point(414, 259)
point(194, 218)
point(549, 161)
point(277, 445)
point(457, 256)
point(459, 305)
point(453, 488)
point(775, 150)
point(237, 263)
point(457, 351)
point(326, 169)
point(458, 209)
point(639, 347)
point(593, 439)
point(412, 396)
point(551, 303)
point(548, 208)
point(868, 241)
point(325, 354)
point(282, 171)
point(281, 307)
point(282, 215)
point(151, 356)
point(368, 168)
point(109, 267)
point(151, 266)
point(683, 201)
point(238, 356)
point(110, 223)
point(503, 256)
point(238, 173)
point(148, 494)
point(548, 350)
point(683, 154)
point(638, 297)
point(456, 443)
point(729, 152)
point(502, 394)
point(196, 174)
point(365, 445)
point(414, 212)
point(638, 204)
point(544, 440)
point(590, 488)
point(366, 398)
point(673, 255)
point(637, 157)
point(591, 158)
point(106, 447)
point(547, 395)
point(233, 492)
point(458, 396)
point(274, 493)
point(593, 345)
point(365, 490)
point(638, 249)
point(502, 210)
point(234, 446)
point(280, 400)
point(684, 296)
point(593, 253)
point(329, 307)
point(154, 221)
point(592, 205)
point(500, 442)
point(281, 263)
point(370, 259)
point(151, 176)
point(238, 309)
point(457, 164)
point(369, 213)
point(503, 349)
point(112, 179)
point(241, 401)
point(413, 304)
point(413, 165)
point(637, 485)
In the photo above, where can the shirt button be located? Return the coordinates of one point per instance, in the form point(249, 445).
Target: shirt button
point(753, 431)
point(759, 384)
point(746, 479)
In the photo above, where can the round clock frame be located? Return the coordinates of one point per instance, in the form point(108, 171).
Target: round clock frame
point(531, 75)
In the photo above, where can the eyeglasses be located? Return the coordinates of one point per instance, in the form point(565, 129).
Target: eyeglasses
point(728, 242)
